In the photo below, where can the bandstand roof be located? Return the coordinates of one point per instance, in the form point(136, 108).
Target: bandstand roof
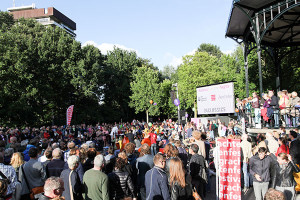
point(279, 22)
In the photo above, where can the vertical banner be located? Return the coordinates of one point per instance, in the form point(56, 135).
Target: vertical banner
point(229, 169)
point(69, 114)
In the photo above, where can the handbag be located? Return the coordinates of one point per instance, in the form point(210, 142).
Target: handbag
point(34, 191)
point(196, 195)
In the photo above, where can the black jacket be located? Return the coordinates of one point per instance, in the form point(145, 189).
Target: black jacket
point(262, 167)
point(55, 167)
point(284, 177)
point(295, 151)
point(120, 185)
point(196, 167)
point(274, 102)
point(180, 193)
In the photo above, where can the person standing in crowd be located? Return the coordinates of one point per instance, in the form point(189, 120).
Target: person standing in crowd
point(130, 169)
point(48, 156)
point(212, 129)
point(89, 163)
point(284, 106)
point(95, 182)
point(256, 105)
point(156, 180)
point(79, 169)
point(295, 147)
point(170, 152)
point(129, 150)
point(143, 164)
point(120, 183)
point(260, 167)
point(197, 170)
point(33, 173)
point(283, 147)
point(110, 160)
point(53, 188)
point(284, 179)
point(10, 174)
point(180, 183)
point(153, 138)
point(273, 194)
point(17, 161)
point(71, 145)
point(275, 107)
point(200, 143)
point(246, 155)
point(56, 165)
point(72, 183)
point(271, 143)
point(294, 111)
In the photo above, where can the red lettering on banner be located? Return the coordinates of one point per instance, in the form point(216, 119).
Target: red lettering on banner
point(230, 169)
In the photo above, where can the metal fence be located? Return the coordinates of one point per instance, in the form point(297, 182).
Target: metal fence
point(270, 117)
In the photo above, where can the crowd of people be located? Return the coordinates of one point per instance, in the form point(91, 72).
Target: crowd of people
point(270, 110)
point(139, 160)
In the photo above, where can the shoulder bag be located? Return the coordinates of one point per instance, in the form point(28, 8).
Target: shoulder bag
point(34, 191)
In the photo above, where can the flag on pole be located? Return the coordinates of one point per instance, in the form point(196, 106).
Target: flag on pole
point(69, 114)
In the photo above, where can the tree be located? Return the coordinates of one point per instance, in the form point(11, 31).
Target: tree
point(120, 67)
point(211, 49)
point(168, 71)
point(145, 87)
point(43, 71)
point(197, 70)
point(167, 107)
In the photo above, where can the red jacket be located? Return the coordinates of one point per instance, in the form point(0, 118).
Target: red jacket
point(283, 149)
point(153, 138)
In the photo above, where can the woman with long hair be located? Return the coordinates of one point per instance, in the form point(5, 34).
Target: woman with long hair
point(120, 183)
point(170, 152)
point(17, 160)
point(284, 179)
point(180, 184)
point(283, 148)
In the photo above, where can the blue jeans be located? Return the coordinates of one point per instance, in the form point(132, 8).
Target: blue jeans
point(276, 118)
point(212, 135)
point(257, 116)
point(246, 175)
point(153, 149)
point(208, 188)
point(295, 121)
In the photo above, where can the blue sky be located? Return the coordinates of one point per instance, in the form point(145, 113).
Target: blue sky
point(160, 30)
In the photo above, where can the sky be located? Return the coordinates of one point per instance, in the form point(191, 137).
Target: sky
point(160, 30)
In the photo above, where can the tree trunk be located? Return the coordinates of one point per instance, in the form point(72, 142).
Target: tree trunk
point(195, 110)
point(147, 116)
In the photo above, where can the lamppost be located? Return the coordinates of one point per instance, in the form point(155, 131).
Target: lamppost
point(177, 102)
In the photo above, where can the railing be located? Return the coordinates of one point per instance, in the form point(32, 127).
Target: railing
point(270, 117)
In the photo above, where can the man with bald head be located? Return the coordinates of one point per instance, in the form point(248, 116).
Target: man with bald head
point(56, 165)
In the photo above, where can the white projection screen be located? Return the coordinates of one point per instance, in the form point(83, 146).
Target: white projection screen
point(216, 99)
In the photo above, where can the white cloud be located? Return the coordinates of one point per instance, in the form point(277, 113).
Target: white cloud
point(105, 47)
point(176, 61)
point(228, 52)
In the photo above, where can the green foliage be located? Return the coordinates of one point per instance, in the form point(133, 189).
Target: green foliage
point(43, 70)
point(6, 21)
point(168, 72)
point(211, 49)
point(145, 87)
point(197, 70)
point(167, 107)
point(120, 66)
